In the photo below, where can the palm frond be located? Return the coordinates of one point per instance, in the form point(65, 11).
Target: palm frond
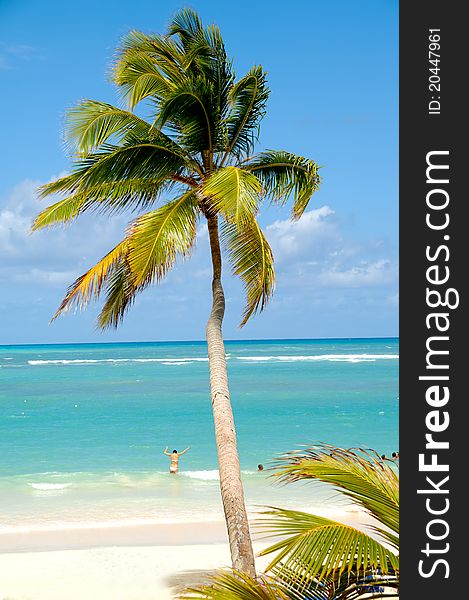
point(247, 98)
point(131, 194)
point(186, 24)
point(157, 238)
point(233, 585)
point(148, 66)
point(234, 193)
point(120, 295)
point(61, 212)
point(135, 160)
point(284, 175)
point(205, 55)
point(314, 547)
point(89, 285)
point(139, 78)
point(188, 112)
point(252, 260)
point(359, 474)
point(339, 587)
point(90, 123)
point(66, 184)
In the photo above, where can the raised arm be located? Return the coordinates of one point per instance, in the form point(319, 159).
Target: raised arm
point(188, 447)
point(166, 451)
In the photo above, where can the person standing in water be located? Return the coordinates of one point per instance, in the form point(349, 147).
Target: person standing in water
point(174, 466)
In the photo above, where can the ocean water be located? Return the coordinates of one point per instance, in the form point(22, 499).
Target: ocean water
point(83, 427)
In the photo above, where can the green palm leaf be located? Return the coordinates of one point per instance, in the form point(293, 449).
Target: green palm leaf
point(360, 475)
point(148, 66)
point(283, 175)
point(134, 160)
point(139, 78)
point(233, 585)
point(189, 112)
point(252, 260)
point(61, 212)
point(339, 587)
point(91, 123)
point(186, 25)
point(132, 194)
point(66, 184)
point(120, 295)
point(247, 98)
point(157, 238)
point(316, 547)
point(205, 56)
point(89, 285)
point(234, 193)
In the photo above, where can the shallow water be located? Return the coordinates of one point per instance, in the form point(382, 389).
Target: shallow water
point(83, 427)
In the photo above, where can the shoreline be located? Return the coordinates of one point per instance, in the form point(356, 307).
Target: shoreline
point(112, 573)
point(176, 533)
point(152, 535)
point(143, 562)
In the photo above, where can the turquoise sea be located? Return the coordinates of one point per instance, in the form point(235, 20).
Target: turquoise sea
point(83, 426)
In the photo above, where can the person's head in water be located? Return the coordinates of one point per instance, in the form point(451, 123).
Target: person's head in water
point(260, 467)
point(175, 451)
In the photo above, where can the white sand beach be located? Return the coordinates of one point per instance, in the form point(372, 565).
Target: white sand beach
point(144, 562)
point(118, 573)
point(128, 563)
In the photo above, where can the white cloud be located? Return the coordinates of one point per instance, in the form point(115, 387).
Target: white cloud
point(379, 272)
point(292, 238)
point(54, 257)
point(321, 271)
point(315, 251)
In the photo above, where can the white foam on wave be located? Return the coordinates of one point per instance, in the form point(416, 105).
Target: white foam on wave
point(203, 475)
point(208, 475)
point(84, 361)
point(185, 360)
point(47, 487)
point(322, 357)
point(176, 362)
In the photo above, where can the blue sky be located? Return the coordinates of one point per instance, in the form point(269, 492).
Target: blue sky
point(332, 70)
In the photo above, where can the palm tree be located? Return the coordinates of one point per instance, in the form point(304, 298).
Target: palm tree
point(194, 146)
point(318, 558)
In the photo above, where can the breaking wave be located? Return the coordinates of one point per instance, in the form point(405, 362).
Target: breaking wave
point(46, 487)
point(86, 361)
point(322, 357)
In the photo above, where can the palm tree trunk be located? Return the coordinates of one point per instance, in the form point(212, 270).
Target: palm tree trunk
point(242, 555)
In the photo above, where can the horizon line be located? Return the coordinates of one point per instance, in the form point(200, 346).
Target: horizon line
point(385, 337)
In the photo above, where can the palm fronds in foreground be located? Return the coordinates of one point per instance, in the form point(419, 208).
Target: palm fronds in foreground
point(315, 558)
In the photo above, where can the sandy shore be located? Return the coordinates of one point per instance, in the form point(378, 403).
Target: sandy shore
point(119, 563)
point(117, 573)
point(144, 562)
